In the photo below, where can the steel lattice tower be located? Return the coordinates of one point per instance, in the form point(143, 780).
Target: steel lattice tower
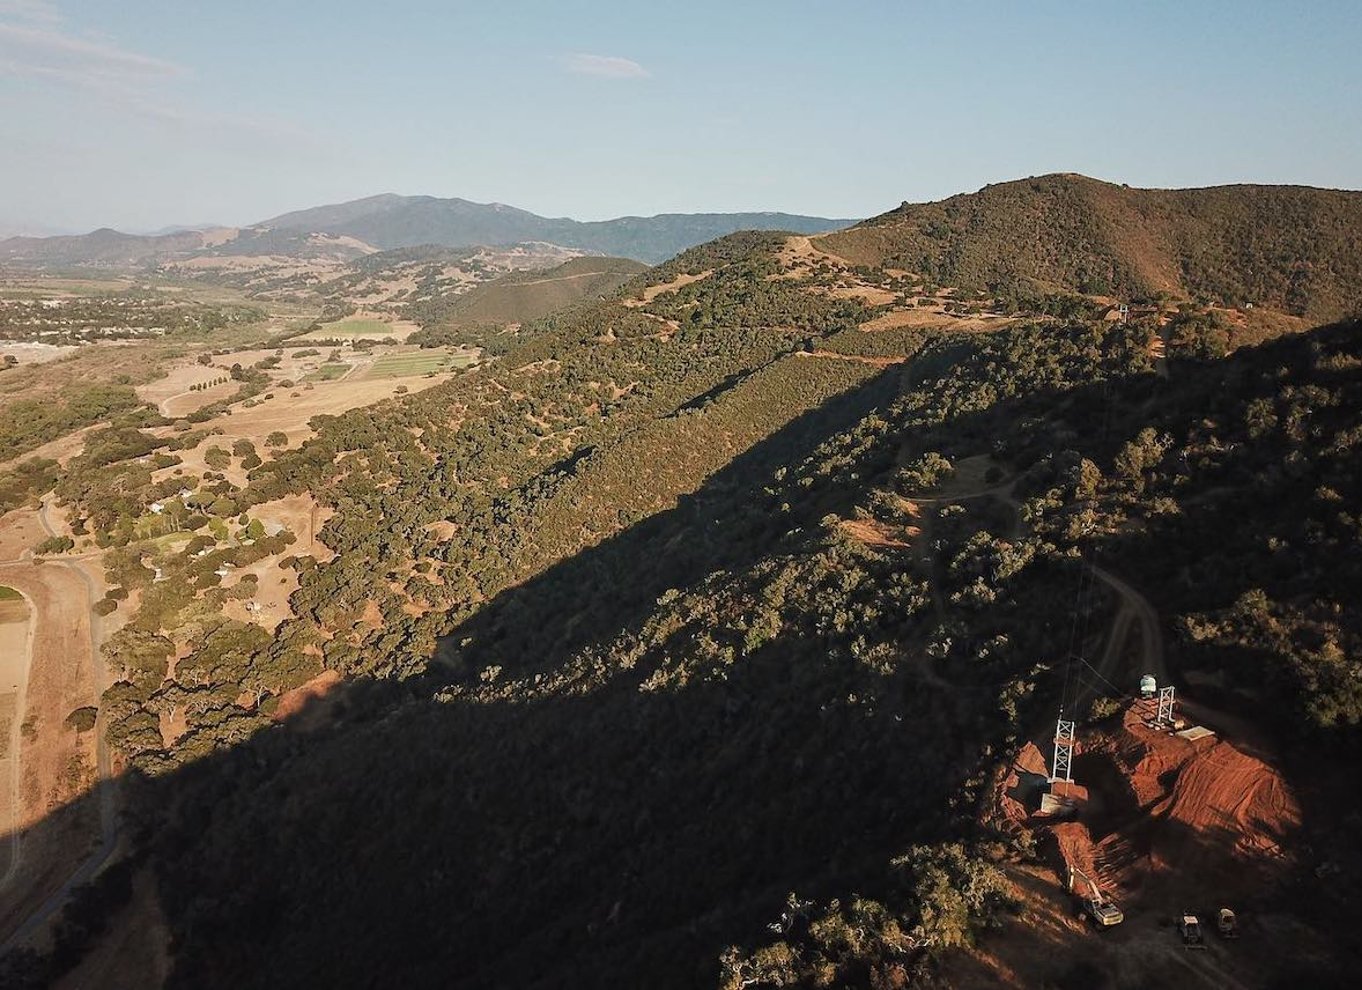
point(1166, 698)
point(1061, 768)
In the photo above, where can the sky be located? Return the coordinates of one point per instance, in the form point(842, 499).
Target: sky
point(142, 114)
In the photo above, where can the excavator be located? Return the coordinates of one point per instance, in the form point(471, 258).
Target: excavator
point(1100, 911)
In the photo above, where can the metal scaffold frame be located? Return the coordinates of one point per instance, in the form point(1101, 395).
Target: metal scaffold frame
point(1167, 697)
point(1061, 767)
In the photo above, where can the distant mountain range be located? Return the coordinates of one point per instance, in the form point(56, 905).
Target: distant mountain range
point(378, 223)
point(103, 248)
point(390, 221)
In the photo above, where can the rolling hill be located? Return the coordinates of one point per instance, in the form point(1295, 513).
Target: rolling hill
point(524, 296)
point(1291, 248)
point(106, 248)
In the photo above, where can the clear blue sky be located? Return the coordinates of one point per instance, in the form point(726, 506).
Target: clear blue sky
point(143, 113)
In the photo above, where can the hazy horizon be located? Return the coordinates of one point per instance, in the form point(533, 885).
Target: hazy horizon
point(142, 117)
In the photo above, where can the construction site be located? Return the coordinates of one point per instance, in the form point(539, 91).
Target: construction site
point(1162, 834)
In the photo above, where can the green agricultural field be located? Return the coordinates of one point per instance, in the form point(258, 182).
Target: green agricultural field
point(350, 329)
point(328, 373)
point(9, 594)
point(420, 363)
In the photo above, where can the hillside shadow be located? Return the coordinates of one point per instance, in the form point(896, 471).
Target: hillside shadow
point(560, 842)
point(589, 598)
point(580, 839)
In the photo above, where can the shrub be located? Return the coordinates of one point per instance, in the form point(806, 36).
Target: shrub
point(82, 719)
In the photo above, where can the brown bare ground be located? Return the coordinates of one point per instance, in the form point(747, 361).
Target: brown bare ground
point(14, 653)
point(871, 295)
point(56, 764)
point(20, 531)
point(177, 379)
point(184, 403)
point(305, 705)
point(934, 319)
point(680, 282)
point(874, 533)
point(801, 248)
point(443, 529)
point(290, 415)
point(60, 450)
point(877, 362)
point(268, 605)
point(1168, 824)
point(302, 517)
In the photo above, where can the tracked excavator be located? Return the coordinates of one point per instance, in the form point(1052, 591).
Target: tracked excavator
point(1096, 908)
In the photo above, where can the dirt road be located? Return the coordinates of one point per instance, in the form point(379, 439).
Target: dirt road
point(17, 619)
point(1135, 610)
point(66, 671)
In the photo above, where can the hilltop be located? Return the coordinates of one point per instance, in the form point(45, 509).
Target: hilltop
point(1291, 248)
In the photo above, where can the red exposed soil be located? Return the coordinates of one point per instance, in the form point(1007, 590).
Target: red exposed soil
point(1167, 824)
point(1202, 811)
point(1163, 810)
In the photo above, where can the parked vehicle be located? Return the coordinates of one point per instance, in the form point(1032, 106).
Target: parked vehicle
point(1189, 927)
point(1227, 924)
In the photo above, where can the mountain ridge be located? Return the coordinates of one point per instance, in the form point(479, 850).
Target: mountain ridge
point(388, 221)
point(1294, 248)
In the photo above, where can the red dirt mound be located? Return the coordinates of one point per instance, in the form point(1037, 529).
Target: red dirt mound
point(1076, 848)
point(1203, 811)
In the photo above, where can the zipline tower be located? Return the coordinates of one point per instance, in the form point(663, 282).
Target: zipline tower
point(1061, 766)
point(1167, 697)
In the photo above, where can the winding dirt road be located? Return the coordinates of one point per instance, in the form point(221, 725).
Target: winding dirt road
point(1135, 611)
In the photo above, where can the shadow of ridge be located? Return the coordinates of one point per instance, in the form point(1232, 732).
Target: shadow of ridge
point(574, 840)
point(592, 839)
point(61, 848)
point(604, 588)
point(517, 844)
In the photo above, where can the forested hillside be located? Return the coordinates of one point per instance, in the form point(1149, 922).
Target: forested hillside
point(1290, 248)
point(525, 296)
point(665, 660)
